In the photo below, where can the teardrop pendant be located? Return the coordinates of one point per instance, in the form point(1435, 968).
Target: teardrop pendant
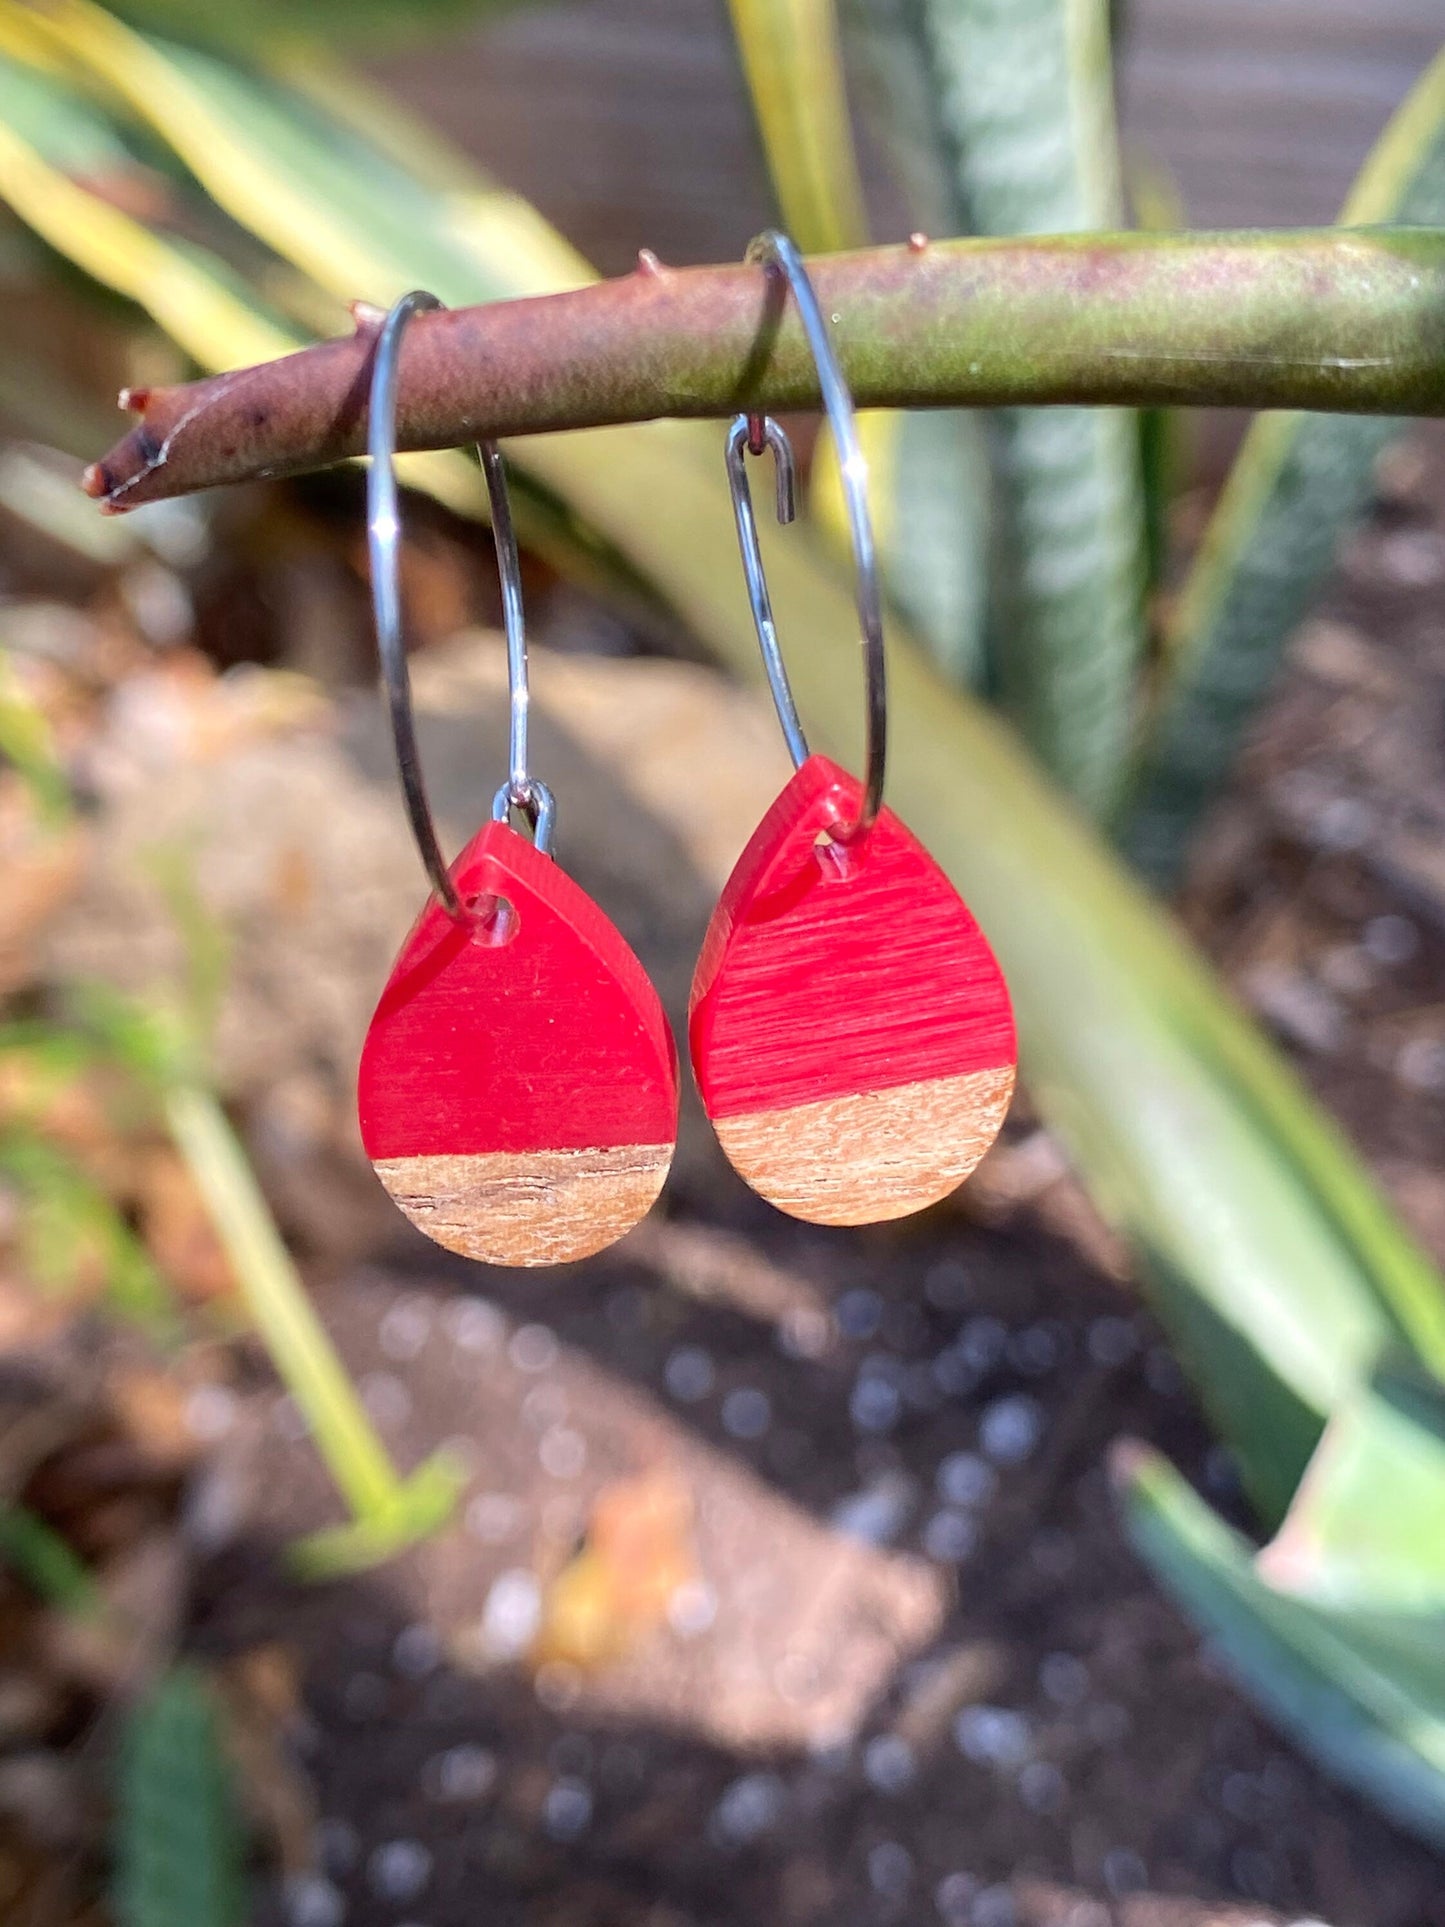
point(518, 1085)
point(852, 1036)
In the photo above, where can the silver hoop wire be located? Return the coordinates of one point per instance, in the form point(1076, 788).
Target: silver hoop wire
point(750, 434)
point(521, 791)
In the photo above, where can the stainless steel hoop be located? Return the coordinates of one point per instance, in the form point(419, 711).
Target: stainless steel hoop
point(521, 791)
point(750, 434)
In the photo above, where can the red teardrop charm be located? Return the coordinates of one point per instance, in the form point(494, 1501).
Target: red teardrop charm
point(518, 1086)
point(851, 1031)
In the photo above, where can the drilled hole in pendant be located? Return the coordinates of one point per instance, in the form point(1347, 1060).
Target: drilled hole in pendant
point(493, 920)
point(837, 859)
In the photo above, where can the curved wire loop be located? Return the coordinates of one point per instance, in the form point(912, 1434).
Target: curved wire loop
point(750, 434)
point(744, 439)
point(521, 791)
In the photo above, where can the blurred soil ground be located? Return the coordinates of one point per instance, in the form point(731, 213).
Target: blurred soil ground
point(786, 1585)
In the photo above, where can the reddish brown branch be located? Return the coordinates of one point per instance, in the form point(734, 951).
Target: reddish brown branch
point(1352, 321)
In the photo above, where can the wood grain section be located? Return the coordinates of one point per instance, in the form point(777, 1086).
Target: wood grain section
point(876, 1155)
point(529, 1208)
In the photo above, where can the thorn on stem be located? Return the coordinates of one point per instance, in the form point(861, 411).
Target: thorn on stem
point(648, 263)
point(135, 400)
point(917, 242)
point(367, 316)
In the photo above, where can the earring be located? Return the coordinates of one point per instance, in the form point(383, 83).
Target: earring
point(852, 1036)
point(518, 1085)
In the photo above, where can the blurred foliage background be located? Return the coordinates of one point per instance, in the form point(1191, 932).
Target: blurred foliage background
point(1077, 665)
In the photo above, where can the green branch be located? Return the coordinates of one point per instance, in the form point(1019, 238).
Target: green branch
point(1344, 320)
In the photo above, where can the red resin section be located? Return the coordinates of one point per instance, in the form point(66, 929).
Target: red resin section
point(554, 1040)
point(821, 978)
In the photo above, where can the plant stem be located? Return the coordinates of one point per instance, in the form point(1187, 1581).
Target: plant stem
point(293, 1334)
point(1344, 320)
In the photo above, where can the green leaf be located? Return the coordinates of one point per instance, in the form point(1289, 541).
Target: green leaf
point(1269, 1249)
point(1300, 481)
point(179, 1846)
point(931, 490)
point(45, 1561)
point(1020, 118)
point(52, 141)
point(368, 25)
point(928, 475)
point(200, 298)
point(1363, 1690)
point(791, 60)
point(1365, 1525)
point(336, 204)
point(933, 511)
point(67, 1220)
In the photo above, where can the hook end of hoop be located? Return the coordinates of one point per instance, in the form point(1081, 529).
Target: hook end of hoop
point(787, 489)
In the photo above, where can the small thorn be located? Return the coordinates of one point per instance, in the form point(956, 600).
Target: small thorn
point(367, 316)
point(94, 481)
point(917, 242)
point(136, 400)
point(648, 263)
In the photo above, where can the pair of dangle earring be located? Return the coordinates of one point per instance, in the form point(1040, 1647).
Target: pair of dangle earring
point(850, 1031)
point(518, 1085)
